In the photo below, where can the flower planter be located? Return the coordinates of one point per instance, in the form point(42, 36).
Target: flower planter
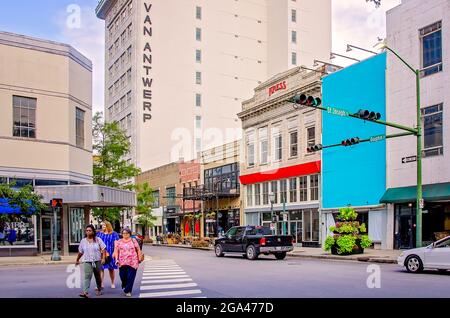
point(357, 249)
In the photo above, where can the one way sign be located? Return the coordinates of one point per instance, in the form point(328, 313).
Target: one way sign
point(409, 159)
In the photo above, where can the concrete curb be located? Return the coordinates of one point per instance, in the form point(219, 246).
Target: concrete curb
point(366, 259)
point(38, 263)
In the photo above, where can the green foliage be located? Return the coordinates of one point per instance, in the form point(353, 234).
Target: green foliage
point(145, 201)
point(365, 241)
point(332, 228)
point(329, 242)
point(110, 145)
point(24, 198)
point(362, 228)
point(347, 228)
point(347, 214)
point(345, 243)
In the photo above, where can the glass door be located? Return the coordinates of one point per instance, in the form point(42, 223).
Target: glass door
point(296, 231)
point(47, 234)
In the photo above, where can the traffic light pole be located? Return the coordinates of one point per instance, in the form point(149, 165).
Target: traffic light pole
point(55, 255)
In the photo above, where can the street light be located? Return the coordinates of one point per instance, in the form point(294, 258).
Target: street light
point(382, 45)
point(272, 201)
point(333, 56)
point(351, 47)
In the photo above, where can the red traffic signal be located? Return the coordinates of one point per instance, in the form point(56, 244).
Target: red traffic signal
point(350, 142)
point(56, 203)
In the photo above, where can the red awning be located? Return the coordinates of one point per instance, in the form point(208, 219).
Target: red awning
point(282, 173)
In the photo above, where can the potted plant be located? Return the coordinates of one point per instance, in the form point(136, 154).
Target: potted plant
point(348, 235)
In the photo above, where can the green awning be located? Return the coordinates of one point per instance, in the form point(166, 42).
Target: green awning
point(431, 192)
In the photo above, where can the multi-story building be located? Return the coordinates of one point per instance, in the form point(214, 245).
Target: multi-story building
point(356, 175)
point(419, 31)
point(275, 160)
point(177, 71)
point(191, 208)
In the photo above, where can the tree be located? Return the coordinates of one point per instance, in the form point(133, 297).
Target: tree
point(23, 199)
point(110, 145)
point(145, 201)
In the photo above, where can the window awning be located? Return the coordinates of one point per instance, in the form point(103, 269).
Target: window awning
point(431, 192)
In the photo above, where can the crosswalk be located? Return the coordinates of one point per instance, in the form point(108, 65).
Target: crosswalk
point(165, 278)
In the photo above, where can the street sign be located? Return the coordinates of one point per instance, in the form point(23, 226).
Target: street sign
point(272, 226)
point(337, 111)
point(285, 217)
point(409, 159)
point(422, 203)
point(377, 138)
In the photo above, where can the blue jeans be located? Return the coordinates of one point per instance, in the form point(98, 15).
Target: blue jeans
point(127, 275)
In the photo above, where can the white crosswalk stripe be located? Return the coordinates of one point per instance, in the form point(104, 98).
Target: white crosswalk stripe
point(165, 278)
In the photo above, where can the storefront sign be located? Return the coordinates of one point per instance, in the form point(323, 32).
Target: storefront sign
point(277, 87)
point(147, 63)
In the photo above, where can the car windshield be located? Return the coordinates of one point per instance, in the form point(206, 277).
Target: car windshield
point(258, 230)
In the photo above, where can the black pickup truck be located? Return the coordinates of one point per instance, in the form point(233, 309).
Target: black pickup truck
point(251, 241)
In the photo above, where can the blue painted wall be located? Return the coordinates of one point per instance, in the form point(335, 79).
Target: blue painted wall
point(354, 175)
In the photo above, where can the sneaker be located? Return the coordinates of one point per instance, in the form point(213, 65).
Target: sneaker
point(113, 286)
point(128, 294)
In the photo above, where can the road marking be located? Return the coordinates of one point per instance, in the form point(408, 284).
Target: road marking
point(164, 278)
point(171, 293)
point(168, 286)
point(158, 281)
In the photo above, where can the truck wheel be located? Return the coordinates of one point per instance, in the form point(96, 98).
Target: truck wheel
point(280, 256)
point(251, 253)
point(219, 250)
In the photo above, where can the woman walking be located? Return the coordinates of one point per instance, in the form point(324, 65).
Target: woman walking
point(128, 255)
point(92, 252)
point(109, 237)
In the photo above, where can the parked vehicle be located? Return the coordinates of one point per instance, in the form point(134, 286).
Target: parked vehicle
point(434, 256)
point(251, 241)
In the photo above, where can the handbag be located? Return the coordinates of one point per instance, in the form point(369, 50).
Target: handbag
point(141, 258)
point(108, 257)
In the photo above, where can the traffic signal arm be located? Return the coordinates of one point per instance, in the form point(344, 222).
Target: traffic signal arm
point(412, 131)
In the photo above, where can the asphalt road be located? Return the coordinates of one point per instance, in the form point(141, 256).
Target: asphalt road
point(176, 272)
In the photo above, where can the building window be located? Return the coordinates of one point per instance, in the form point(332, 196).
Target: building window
point(263, 146)
point(198, 100)
point(79, 127)
point(257, 194)
point(198, 13)
point(249, 195)
point(293, 190)
point(155, 203)
point(171, 196)
point(431, 39)
point(198, 56)
point(24, 117)
point(303, 182)
point(198, 34)
point(433, 130)
point(198, 144)
point(293, 143)
point(265, 193)
point(251, 150)
point(76, 225)
point(198, 78)
point(274, 190)
point(294, 15)
point(283, 191)
point(311, 136)
point(314, 187)
point(129, 98)
point(294, 36)
point(278, 147)
point(294, 58)
point(198, 122)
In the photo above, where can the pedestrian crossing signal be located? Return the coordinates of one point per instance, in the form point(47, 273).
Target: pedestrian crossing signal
point(56, 203)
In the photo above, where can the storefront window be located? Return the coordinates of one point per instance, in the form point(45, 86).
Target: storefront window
point(17, 230)
point(307, 224)
point(315, 225)
point(76, 225)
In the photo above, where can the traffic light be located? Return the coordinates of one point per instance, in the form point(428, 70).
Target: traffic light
point(368, 115)
point(302, 99)
point(314, 148)
point(56, 203)
point(350, 142)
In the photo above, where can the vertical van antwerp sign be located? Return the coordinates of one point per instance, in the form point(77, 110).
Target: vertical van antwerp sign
point(147, 80)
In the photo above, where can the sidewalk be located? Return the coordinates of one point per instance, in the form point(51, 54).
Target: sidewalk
point(36, 260)
point(370, 255)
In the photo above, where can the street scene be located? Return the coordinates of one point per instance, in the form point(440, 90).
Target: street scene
point(194, 149)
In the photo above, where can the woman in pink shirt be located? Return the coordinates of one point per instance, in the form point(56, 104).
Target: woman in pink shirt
point(128, 255)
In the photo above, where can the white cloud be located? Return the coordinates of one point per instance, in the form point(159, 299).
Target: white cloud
point(359, 23)
point(89, 38)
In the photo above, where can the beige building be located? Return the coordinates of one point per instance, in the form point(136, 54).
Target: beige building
point(275, 157)
point(45, 134)
point(178, 71)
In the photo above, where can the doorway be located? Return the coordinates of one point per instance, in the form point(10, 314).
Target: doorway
point(46, 234)
point(296, 231)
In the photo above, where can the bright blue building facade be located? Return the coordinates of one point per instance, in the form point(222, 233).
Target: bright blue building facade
point(355, 175)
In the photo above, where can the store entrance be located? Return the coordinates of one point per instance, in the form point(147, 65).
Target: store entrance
point(296, 231)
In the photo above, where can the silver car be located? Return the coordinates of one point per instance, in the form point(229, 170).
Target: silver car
point(434, 256)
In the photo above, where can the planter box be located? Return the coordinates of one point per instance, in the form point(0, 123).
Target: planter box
point(357, 249)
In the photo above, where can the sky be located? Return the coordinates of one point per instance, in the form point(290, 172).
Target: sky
point(355, 22)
